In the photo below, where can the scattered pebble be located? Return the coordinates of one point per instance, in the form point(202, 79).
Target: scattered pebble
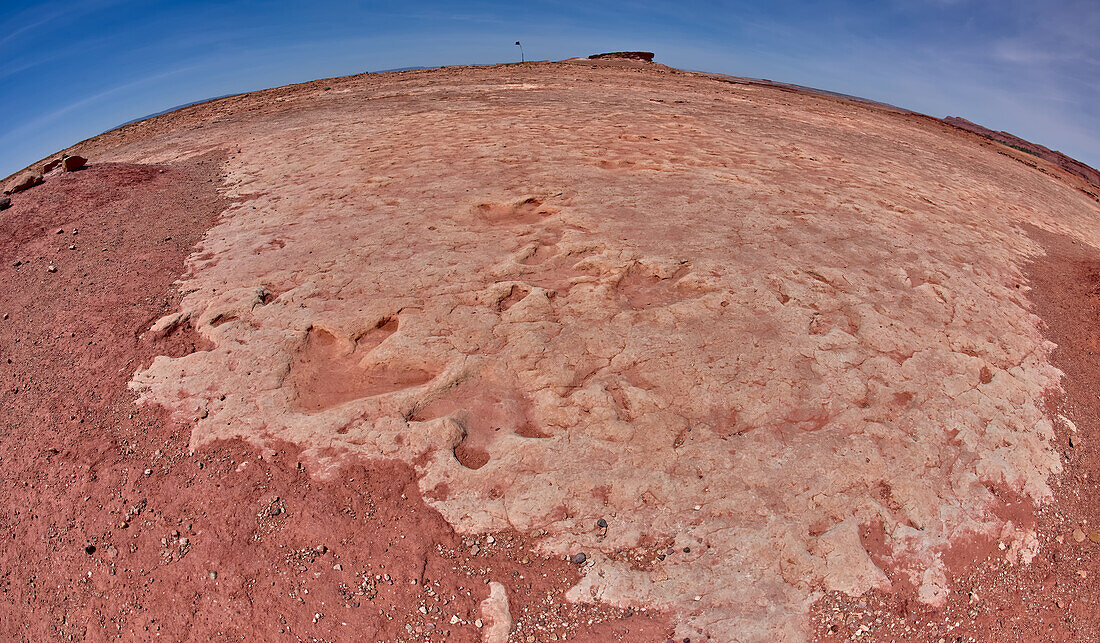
point(52, 268)
point(212, 574)
point(601, 523)
point(579, 558)
point(90, 549)
point(1078, 535)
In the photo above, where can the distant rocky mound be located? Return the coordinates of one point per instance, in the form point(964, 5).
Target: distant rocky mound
point(646, 56)
point(1068, 164)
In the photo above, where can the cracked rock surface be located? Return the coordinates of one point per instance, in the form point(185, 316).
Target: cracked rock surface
point(736, 321)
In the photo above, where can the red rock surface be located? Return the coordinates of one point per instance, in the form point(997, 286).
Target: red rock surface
point(1073, 166)
point(789, 349)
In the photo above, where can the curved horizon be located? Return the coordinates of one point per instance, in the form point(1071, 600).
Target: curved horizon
point(74, 72)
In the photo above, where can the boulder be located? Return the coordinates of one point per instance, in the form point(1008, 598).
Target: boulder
point(48, 167)
point(5, 203)
point(73, 163)
point(27, 181)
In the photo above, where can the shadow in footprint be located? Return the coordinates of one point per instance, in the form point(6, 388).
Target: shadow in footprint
point(484, 410)
point(529, 210)
point(328, 371)
point(514, 296)
point(642, 289)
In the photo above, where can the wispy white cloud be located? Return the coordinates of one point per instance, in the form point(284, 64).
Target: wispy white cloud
point(55, 115)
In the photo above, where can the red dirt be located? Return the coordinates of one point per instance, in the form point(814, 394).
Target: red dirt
point(1055, 598)
point(226, 543)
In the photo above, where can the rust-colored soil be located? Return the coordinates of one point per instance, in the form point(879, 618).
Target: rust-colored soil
point(110, 528)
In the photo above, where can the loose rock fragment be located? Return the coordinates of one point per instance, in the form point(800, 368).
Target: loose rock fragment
point(25, 182)
point(73, 163)
point(495, 612)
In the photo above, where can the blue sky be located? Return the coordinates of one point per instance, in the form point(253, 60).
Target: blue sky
point(70, 70)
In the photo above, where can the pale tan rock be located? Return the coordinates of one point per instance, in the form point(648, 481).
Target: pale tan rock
point(495, 615)
point(728, 322)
